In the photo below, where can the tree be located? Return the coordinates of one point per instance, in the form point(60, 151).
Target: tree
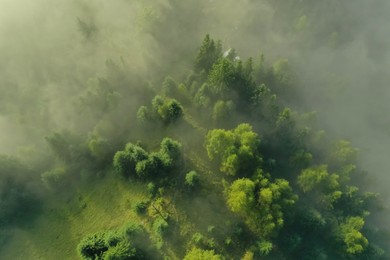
point(209, 52)
point(236, 151)
point(355, 242)
point(261, 202)
point(221, 77)
point(199, 254)
point(125, 161)
point(223, 111)
point(191, 179)
point(241, 196)
point(123, 250)
point(150, 167)
point(318, 177)
point(93, 246)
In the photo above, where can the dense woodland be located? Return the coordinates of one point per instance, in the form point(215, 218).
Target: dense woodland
point(212, 160)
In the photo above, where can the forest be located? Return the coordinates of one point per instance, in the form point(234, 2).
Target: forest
point(193, 130)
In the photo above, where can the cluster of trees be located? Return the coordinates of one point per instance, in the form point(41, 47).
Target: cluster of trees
point(135, 162)
point(278, 187)
point(128, 242)
point(292, 194)
point(164, 109)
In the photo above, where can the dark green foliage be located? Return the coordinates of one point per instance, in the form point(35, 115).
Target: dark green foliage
point(120, 244)
point(160, 227)
point(140, 207)
point(143, 114)
point(136, 162)
point(209, 52)
point(169, 86)
point(150, 167)
point(164, 110)
point(152, 189)
point(125, 161)
point(88, 29)
point(18, 199)
point(170, 152)
point(54, 178)
point(123, 251)
point(93, 246)
point(192, 179)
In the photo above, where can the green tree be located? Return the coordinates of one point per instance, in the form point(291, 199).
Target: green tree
point(241, 196)
point(125, 161)
point(199, 254)
point(355, 242)
point(236, 151)
point(93, 246)
point(209, 52)
point(191, 179)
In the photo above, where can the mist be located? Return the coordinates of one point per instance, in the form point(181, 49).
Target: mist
point(55, 53)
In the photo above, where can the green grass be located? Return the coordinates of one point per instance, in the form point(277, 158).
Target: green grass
point(105, 204)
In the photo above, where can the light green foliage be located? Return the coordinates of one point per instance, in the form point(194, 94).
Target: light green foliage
point(301, 23)
point(265, 247)
point(160, 226)
point(219, 143)
point(191, 179)
point(273, 199)
point(318, 178)
point(354, 240)
point(240, 196)
point(263, 211)
point(344, 153)
point(199, 254)
point(235, 150)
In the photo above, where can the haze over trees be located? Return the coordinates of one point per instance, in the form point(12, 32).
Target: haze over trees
point(180, 148)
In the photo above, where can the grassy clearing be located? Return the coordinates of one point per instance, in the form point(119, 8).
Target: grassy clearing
point(104, 204)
